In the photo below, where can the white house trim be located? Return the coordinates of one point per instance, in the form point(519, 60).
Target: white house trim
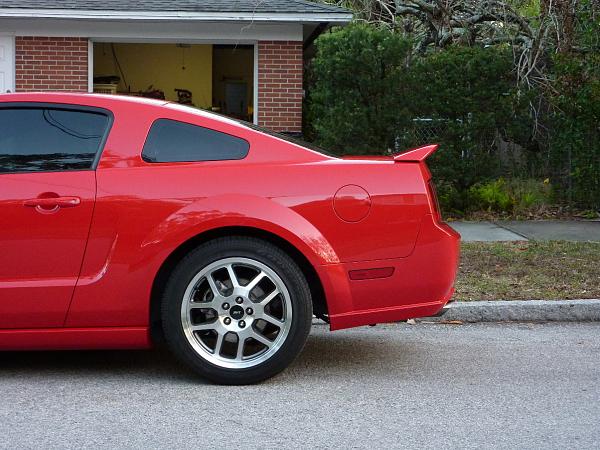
point(90, 66)
point(255, 95)
point(117, 31)
point(8, 63)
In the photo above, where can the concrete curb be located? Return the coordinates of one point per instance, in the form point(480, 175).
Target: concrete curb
point(521, 311)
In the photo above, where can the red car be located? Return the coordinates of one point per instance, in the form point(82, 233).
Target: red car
point(125, 221)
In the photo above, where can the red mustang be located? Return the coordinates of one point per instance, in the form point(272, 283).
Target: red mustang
point(124, 221)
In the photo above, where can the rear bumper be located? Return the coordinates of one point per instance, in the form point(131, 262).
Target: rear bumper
point(421, 284)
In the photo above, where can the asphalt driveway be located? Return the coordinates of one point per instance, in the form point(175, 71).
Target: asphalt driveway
point(393, 386)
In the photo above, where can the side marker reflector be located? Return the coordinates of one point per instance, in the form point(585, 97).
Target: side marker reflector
point(369, 274)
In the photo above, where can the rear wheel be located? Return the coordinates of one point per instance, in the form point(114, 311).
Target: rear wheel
point(237, 310)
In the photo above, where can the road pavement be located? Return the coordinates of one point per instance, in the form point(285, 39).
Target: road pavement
point(392, 386)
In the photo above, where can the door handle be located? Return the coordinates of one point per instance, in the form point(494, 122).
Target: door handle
point(53, 202)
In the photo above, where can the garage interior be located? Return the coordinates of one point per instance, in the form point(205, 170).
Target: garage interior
point(213, 77)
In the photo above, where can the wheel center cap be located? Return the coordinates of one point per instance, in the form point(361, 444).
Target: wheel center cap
point(236, 312)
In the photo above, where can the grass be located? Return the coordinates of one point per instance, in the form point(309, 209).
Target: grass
point(540, 270)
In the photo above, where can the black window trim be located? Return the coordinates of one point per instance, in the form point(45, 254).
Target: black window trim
point(150, 162)
point(66, 107)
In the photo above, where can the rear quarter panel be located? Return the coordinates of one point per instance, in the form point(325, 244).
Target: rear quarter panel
point(398, 203)
point(144, 211)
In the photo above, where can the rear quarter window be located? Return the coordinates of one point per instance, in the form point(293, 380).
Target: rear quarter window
point(174, 141)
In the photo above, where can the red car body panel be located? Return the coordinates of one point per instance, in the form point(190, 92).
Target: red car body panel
point(82, 277)
point(42, 251)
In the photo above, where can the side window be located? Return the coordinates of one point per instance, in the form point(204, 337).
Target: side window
point(172, 141)
point(46, 139)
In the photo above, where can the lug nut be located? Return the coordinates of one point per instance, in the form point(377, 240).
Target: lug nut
point(225, 306)
point(239, 300)
point(242, 324)
point(227, 320)
point(249, 311)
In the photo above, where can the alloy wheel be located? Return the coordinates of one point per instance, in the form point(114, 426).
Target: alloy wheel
point(236, 313)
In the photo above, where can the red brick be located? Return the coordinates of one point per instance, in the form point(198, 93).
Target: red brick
point(280, 85)
point(51, 63)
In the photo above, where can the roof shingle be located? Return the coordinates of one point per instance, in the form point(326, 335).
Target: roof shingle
point(192, 6)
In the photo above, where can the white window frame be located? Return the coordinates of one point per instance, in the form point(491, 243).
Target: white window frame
point(13, 86)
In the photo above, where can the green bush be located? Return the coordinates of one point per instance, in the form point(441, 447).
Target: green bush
point(367, 95)
point(530, 194)
point(452, 201)
point(574, 144)
point(519, 196)
point(354, 103)
point(470, 92)
point(491, 196)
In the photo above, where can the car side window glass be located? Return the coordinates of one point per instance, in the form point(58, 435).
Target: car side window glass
point(45, 139)
point(173, 141)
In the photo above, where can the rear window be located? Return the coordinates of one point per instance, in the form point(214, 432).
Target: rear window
point(173, 141)
point(39, 139)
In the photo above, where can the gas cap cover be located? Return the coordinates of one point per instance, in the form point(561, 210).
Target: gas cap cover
point(352, 203)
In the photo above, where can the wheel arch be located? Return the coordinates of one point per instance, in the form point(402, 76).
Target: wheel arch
point(316, 286)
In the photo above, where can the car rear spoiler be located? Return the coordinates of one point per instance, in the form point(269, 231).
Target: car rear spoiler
point(417, 154)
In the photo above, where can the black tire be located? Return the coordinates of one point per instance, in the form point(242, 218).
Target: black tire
point(232, 247)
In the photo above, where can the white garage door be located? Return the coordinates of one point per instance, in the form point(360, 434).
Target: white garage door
point(7, 64)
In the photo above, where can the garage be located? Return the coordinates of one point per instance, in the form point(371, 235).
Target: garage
point(214, 77)
point(241, 58)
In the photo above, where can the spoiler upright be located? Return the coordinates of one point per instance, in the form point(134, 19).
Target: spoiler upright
point(417, 154)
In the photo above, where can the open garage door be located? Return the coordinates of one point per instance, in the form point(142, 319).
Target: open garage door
point(213, 77)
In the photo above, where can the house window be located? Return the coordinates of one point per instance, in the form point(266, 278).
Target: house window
point(173, 141)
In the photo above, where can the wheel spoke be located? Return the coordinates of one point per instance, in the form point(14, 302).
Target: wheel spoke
point(204, 305)
point(219, 344)
point(232, 276)
point(213, 285)
point(204, 326)
point(240, 349)
point(260, 338)
point(255, 281)
point(265, 301)
point(272, 320)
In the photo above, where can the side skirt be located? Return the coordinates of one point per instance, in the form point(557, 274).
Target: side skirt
point(75, 339)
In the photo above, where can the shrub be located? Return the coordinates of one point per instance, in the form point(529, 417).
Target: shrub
point(354, 104)
point(574, 143)
point(491, 196)
point(368, 96)
point(471, 90)
point(514, 195)
point(529, 194)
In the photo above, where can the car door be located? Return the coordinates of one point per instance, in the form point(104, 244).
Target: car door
point(47, 194)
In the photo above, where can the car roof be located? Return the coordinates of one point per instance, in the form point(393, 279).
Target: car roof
point(74, 98)
point(107, 100)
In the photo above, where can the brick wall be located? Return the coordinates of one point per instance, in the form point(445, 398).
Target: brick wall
point(280, 85)
point(51, 64)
